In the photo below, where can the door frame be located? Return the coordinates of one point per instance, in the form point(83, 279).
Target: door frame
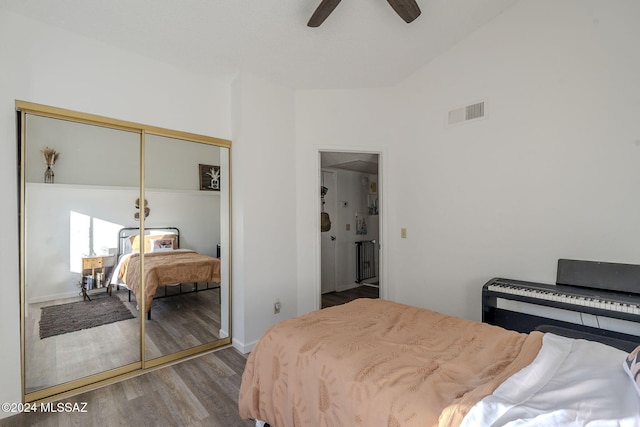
point(331, 209)
point(384, 292)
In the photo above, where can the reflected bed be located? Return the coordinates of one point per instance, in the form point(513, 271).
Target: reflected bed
point(165, 264)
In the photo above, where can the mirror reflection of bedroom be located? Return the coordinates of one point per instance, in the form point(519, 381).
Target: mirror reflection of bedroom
point(186, 312)
point(83, 294)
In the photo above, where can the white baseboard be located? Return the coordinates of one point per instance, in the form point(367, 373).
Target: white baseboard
point(54, 297)
point(242, 347)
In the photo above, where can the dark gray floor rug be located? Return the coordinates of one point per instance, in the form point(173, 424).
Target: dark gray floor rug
point(75, 316)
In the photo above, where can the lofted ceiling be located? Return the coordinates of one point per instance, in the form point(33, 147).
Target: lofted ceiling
point(364, 43)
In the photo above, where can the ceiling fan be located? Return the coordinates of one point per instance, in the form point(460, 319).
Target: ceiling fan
point(407, 9)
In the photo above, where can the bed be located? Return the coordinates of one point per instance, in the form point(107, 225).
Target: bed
point(165, 264)
point(380, 363)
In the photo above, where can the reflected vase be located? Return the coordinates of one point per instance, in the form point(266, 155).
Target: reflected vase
point(48, 175)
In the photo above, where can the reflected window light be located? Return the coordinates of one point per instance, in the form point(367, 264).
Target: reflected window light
point(79, 246)
point(104, 236)
point(89, 236)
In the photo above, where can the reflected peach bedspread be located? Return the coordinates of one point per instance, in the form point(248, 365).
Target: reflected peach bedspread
point(378, 363)
point(165, 268)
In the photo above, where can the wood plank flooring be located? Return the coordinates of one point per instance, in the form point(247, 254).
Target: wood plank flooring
point(336, 298)
point(202, 391)
point(177, 323)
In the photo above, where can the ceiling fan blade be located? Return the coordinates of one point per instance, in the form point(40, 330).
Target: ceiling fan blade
point(322, 12)
point(407, 9)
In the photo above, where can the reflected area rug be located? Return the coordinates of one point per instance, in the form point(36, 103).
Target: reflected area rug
point(75, 316)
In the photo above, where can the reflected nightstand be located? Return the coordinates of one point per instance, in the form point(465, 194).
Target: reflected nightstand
point(100, 268)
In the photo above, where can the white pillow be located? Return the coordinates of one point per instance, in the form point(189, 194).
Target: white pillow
point(161, 245)
point(632, 366)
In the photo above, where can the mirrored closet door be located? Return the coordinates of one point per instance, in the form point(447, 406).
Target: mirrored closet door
point(85, 212)
point(186, 193)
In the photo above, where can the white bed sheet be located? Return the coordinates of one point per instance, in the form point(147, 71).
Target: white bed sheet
point(116, 271)
point(570, 383)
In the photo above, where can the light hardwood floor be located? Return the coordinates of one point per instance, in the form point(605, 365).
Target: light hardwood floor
point(202, 391)
point(177, 323)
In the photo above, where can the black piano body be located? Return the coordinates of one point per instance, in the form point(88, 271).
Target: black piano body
point(597, 298)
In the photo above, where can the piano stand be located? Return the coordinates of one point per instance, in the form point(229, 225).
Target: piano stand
point(525, 323)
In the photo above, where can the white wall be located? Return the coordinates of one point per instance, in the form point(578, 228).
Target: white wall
point(52, 271)
point(86, 154)
point(351, 120)
point(551, 172)
point(263, 206)
point(173, 163)
point(53, 67)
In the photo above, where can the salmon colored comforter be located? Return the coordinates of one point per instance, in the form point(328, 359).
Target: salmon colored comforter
point(378, 363)
point(165, 268)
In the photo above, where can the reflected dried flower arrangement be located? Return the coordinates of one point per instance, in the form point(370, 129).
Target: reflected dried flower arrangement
point(49, 155)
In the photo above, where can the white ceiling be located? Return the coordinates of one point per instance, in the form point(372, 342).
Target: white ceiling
point(358, 162)
point(362, 44)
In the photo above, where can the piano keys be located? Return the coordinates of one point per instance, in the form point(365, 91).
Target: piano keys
point(600, 298)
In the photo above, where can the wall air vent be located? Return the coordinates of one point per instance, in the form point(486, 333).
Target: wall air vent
point(466, 113)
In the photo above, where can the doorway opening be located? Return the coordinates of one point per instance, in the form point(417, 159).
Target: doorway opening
point(350, 248)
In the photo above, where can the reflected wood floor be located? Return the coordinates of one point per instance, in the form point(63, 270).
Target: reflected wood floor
point(336, 298)
point(177, 323)
point(202, 391)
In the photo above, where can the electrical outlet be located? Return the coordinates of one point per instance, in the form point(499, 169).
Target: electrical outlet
point(276, 307)
point(403, 233)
